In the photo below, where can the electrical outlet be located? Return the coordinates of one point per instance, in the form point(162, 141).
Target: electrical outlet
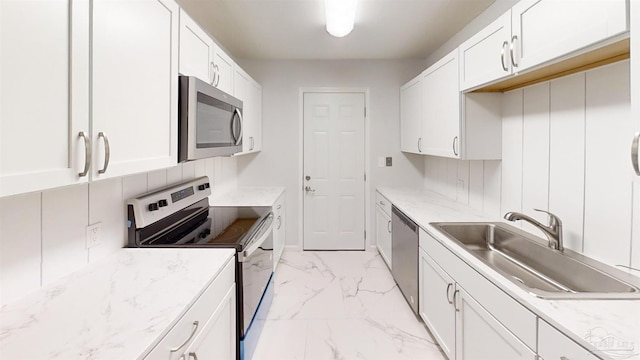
point(389, 161)
point(94, 235)
point(381, 161)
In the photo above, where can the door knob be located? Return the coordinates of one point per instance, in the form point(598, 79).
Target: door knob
point(309, 189)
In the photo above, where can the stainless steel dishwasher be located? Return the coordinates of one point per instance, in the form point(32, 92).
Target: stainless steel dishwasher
point(404, 256)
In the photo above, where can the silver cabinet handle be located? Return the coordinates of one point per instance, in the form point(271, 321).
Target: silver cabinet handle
point(252, 143)
point(193, 332)
point(279, 207)
point(389, 226)
point(514, 38)
point(455, 301)
point(382, 203)
point(279, 221)
point(212, 71)
point(564, 358)
point(87, 154)
point(455, 141)
point(193, 355)
point(309, 189)
point(634, 153)
point(504, 46)
point(419, 144)
point(217, 74)
point(107, 152)
point(449, 285)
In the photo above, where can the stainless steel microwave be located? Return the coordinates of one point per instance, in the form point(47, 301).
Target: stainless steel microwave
point(210, 121)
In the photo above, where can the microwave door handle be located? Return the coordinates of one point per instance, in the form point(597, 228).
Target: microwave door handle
point(238, 139)
point(254, 245)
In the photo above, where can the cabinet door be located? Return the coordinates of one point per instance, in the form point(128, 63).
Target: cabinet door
point(480, 336)
point(256, 108)
point(441, 108)
point(224, 67)
point(250, 92)
point(411, 116)
point(436, 303)
point(547, 29)
point(135, 86)
point(635, 135)
point(485, 57)
point(554, 345)
point(383, 235)
point(196, 50)
point(217, 340)
point(44, 106)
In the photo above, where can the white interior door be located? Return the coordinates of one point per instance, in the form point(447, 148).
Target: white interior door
point(334, 171)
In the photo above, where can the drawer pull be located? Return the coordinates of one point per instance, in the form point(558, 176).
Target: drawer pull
point(193, 355)
point(455, 302)
point(389, 226)
point(449, 285)
point(195, 329)
point(382, 203)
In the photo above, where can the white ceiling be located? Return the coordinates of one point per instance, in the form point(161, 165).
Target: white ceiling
point(294, 29)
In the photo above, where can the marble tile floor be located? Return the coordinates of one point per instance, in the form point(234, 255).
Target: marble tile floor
point(341, 305)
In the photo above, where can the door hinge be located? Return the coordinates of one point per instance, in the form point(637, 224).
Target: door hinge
point(365, 111)
point(365, 176)
point(365, 234)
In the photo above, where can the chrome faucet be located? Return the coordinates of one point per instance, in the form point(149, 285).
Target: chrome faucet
point(553, 231)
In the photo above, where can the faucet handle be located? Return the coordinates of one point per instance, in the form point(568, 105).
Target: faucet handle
point(554, 220)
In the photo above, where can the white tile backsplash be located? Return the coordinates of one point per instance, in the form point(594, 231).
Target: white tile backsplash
point(565, 147)
point(65, 216)
point(43, 234)
point(20, 245)
point(476, 185)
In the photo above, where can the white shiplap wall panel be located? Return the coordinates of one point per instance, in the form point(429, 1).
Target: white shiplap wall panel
point(608, 180)
point(174, 175)
point(65, 216)
point(462, 182)
point(512, 151)
point(157, 179)
point(535, 153)
point(492, 187)
point(566, 166)
point(476, 185)
point(107, 207)
point(20, 245)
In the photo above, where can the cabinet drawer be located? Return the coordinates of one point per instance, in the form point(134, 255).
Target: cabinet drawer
point(185, 330)
point(383, 203)
point(515, 317)
point(554, 345)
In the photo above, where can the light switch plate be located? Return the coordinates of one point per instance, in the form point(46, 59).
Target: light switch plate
point(94, 235)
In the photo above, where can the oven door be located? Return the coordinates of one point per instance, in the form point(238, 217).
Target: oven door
point(256, 261)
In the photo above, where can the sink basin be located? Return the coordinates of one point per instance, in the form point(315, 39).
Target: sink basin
point(542, 271)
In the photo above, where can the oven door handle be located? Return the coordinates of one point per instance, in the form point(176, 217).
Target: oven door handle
point(255, 244)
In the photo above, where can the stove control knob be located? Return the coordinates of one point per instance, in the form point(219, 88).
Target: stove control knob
point(203, 235)
point(163, 203)
point(153, 206)
point(207, 185)
point(207, 231)
point(201, 187)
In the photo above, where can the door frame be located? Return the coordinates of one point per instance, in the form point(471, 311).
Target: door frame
point(300, 192)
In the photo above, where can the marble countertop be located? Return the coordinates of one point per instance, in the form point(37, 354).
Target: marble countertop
point(249, 196)
point(619, 319)
point(117, 308)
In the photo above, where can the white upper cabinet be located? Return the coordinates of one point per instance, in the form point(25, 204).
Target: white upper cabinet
point(196, 50)
point(540, 32)
point(441, 108)
point(437, 119)
point(224, 67)
point(486, 56)
point(44, 106)
point(411, 116)
point(250, 92)
point(134, 86)
point(543, 30)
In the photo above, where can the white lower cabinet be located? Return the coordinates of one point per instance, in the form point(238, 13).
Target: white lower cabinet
point(436, 303)
point(553, 345)
point(208, 328)
point(480, 336)
point(383, 234)
point(215, 340)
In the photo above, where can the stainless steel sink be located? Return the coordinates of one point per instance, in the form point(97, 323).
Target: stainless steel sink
point(542, 271)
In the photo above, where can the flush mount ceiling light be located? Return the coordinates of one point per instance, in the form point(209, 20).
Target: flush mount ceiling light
point(340, 16)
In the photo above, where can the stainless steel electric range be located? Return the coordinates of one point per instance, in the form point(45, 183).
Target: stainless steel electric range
point(180, 216)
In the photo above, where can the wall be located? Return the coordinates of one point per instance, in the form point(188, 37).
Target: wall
point(279, 162)
point(43, 234)
point(565, 149)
